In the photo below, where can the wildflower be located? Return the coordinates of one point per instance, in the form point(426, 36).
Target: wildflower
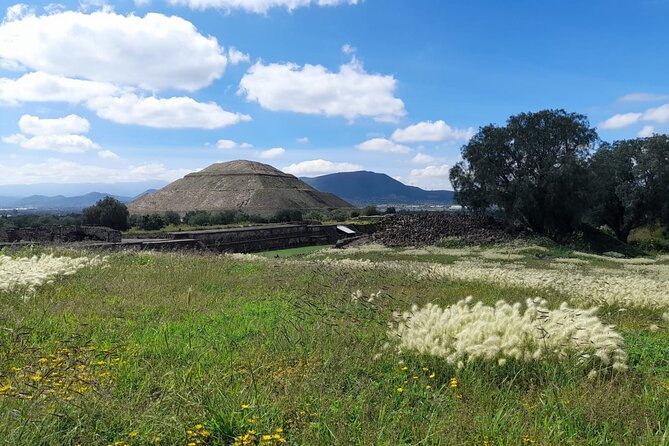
point(133, 434)
point(399, 390)
point(428, 387)
point(454, 383)
point(432, 376)
point(198, 426)
point(245, 406)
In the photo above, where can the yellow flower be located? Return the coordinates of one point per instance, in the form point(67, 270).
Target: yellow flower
point(428, 387)
point(266, 437)
point(192, 443)
point(198, 426)
point(432, 376)
point(405, 368)
point(156, 439)
point(245, 406)
point(454, 383)
point(204, 433)
point(279, 429)
point(5, 388)
point(133, 434)
point(399, 390)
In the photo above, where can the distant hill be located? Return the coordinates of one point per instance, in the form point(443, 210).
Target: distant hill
point(62, 203)
point(126, 189)
point(366, 188)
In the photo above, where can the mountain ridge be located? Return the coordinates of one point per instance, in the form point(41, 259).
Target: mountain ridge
point(369, 188)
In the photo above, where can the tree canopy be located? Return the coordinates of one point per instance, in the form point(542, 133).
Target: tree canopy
point(107, 212)
point(534, 170)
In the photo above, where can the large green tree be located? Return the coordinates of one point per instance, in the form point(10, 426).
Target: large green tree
point(534, 170)
point(107, 212)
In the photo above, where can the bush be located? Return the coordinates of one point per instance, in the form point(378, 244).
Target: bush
point(107, 212)
point(172, 218)
point(355, 214)
point(287, 215)
point(197, 218)
point(391, 210)
point(370, 210)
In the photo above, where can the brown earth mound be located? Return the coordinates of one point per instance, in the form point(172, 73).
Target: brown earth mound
point(430, 228)
point(248, 186)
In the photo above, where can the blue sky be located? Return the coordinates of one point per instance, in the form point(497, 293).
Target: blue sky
point(141, 90)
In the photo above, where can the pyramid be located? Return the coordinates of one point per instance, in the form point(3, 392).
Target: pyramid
point(247, 186)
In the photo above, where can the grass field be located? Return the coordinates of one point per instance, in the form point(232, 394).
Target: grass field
point(180, 349)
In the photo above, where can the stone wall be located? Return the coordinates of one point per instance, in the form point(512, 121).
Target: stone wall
point(60, 234)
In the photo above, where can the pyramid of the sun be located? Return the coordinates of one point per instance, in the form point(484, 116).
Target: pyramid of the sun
point(248, 186)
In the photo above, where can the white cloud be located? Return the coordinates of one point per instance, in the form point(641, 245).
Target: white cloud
point(108, 155)
point(71, 124)
point(55, 143)
point(43, 87)
point(643, 97)
point(228, 144)
point(620, 121)
point(422, 158)
point(348, 49)
point(18, 11)
point(430, 177)
point(646, 131)
point(60, 171)
point(312, 89)
point(319, 167)
point(153, 52)
point(235, 56)
point(382, 145)
point(176, 112)
point(272, 153)
point(659, 115)
point(432, 131)
point(256, 6)
point(303, 140)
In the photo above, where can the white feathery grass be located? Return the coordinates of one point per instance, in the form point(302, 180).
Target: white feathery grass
point(28, 273)
point(464, 332)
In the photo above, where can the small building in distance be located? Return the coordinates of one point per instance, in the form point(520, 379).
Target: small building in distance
point(247, 186)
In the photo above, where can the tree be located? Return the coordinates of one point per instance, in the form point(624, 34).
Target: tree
point(107, 212)
point(622, 198)
point(534, 170)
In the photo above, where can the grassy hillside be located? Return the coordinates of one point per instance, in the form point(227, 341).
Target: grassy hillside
point(172, 349)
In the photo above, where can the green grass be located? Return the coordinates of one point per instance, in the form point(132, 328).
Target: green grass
point(294, 252)
point(200, 337)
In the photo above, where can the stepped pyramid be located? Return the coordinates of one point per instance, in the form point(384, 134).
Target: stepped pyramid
point(248, 186)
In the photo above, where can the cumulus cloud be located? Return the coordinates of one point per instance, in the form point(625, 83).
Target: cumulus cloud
point(643, 97)
point(153, 52)
point(272, 153)
point(175, 112)
point(620, 121)
point(348, 49)
point(255, 6)
point(319, 167)
point(646, 131)
point(430, 177)
point(228, 144)
point(235, 56)
point(71, 124)
point(55, 143)
point(56, 170)
point(108, 155)
point(422, 158)
point(659, 115)
point(382, 145)
point(428, 131)
point(43, 87)
point(313, 89)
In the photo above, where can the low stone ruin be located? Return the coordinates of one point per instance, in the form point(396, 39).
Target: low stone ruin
point(60, 234)
point(429, 228)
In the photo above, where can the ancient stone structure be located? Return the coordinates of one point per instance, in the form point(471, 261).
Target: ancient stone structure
point(60, 234)
point(247, 186)
point(428, 228)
